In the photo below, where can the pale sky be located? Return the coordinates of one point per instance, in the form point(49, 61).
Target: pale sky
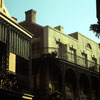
point(73, 15)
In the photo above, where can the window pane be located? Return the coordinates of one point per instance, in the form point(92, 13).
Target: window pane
point(84, 61)
point(5, 34)
point(15, 42)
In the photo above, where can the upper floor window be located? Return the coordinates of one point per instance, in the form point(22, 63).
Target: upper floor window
point(73, 51)
point(72, 55)
point(94, 60)
point(94, 64)
point(36, 46)
point(84, 59)
point(58, 46)
point(62, 49)
point(89, 46)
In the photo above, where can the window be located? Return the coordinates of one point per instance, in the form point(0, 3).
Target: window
point(58, 45)
point(94, 60)
point(23, 70)
point(72, 56)
point(36, 47)
point(84, 59)
point(62, 49)
point(93, 66)
point(89, 46)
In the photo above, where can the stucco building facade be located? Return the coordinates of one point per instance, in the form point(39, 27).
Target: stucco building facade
point(51, 65)
point(64, 66)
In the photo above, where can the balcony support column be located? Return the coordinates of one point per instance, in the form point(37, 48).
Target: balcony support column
point(63, 82)
point(30, 67)
point(77, 91)
point(44, 81)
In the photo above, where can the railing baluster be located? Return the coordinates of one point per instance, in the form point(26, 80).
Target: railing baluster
point(67, 56)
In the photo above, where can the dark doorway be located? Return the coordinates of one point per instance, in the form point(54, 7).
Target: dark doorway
point(3, 53)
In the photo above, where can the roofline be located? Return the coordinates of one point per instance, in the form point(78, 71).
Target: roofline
point(33, 23)
point(88, 38)
point(61, 33)
point(16, 25)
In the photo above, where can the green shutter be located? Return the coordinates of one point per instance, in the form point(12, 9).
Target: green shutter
point(25, 49)
point(17, 44)
point(21, 46)
point(10, 33)
point(5, 34)
point(15, 37)
point(0, 31)
point(12, 41)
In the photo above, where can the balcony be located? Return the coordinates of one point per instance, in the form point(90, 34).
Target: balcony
point(80, 61)
point(12, 83)
point(67, 56)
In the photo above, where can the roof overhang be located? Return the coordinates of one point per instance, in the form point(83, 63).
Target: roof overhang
point(16, 25)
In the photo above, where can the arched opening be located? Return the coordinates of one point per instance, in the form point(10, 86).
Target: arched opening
point(89, 46)
point(70, 84)
point(47, 79)
point(95, 88)
point(84, 87)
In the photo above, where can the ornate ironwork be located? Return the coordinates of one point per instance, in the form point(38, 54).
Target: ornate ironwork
point(10, 82)
point(67, 56)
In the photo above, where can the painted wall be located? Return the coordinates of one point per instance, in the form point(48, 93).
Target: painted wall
point(76, 40)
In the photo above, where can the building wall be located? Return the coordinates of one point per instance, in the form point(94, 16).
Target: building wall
point(82, 45)
point(37, 30)
point(55, 36)
point(76, 41)
point(57, 74)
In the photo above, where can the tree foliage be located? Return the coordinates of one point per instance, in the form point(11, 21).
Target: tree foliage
point(96, 29)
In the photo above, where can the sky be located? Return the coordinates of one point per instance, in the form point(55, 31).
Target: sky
point(73, 15)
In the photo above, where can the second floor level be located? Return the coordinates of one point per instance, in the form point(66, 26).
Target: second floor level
point(74, 47)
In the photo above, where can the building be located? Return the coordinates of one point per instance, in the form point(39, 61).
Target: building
point(15, 58)
point(64, 66)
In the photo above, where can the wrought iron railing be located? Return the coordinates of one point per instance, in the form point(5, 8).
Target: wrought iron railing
point(81, 61)
point(67, 56)
point(11, 82)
